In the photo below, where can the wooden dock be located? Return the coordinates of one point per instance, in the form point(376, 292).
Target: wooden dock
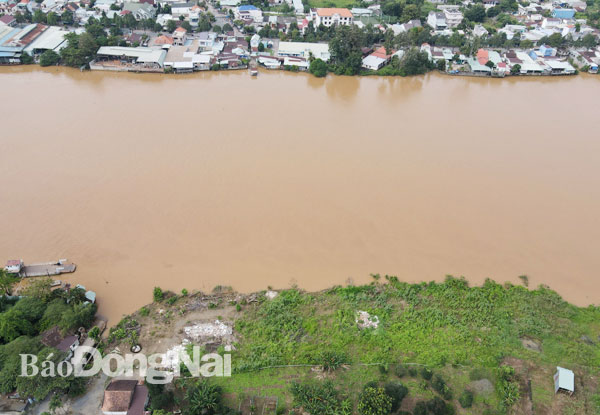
point(47, 269)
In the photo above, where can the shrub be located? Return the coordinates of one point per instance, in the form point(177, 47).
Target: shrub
point(397, 392)
point(49, 58)
point(158, 294)
point(426, 373)
point(319, 398)
point(318, 68)
point(374, 401)
point(238, 308)
point(172, 300)
point(331, 360)
point(440, 387)
point(144, 311)
point(94, 333)
point(412, 371)
point(400, 371)
point(184, 292)
point(466, 399)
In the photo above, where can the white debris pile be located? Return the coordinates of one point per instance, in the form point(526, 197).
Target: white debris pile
point(271, 294)
point(216, 330)
point(171, 359)
point(365, 320)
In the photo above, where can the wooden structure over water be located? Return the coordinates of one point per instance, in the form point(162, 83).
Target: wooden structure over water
point(45, 269)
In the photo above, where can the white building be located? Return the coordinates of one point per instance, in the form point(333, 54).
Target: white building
point(453, 17)
point(331, 16)
point(305, 50)
point(437, 20)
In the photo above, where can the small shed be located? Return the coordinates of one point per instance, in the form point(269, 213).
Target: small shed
point(564, 379)
point(13, 266)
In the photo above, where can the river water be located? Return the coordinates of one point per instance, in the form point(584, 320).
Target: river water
point(222, 179)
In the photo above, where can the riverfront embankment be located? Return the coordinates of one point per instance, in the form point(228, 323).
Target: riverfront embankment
point(221, 179)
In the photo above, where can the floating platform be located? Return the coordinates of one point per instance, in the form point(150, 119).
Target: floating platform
point(46, 269)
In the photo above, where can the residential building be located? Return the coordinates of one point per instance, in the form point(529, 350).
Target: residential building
point(437, 20)
point(561, 13)
point(179, 36)
point(376, 60)
point(124, 397)
point(454, 17)
point(305, 50)
point(331, 16)
point(249, 13)
point(54, 338)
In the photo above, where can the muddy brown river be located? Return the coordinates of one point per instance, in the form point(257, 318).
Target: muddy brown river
point(223, 179)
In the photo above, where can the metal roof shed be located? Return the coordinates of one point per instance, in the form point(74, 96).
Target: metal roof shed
point(564, 379)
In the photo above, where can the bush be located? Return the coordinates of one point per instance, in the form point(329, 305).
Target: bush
point(158, 294)
point(49, 58)
point(400, 371)
point(426, 373)
point(412, 371)
point(172, 300)
point(184, 292)
point(331, 360)
point(318, 68)
point(374, 401)
point(466, 399)
point(397, 392)
point(440, 387)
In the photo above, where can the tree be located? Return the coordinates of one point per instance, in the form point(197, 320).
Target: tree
point(7, 281)
point(40, 288)
point(67, 18)
point(52, 19)
point(171, 26)
point(475, 13)
point(374, 401)
point(39, 16)
point(515, 70)
point(345, 48)
point(49, 58)
point(158, 294)
point(227, 28)
point(415, 62)
point(490, 64)
point(187, 26)
point(81, 315)
point(26, 59)
point(318, 68)
point(14, 324)
point(589, 41)
point(397, 392)
point(204, 399)
point(466, 399)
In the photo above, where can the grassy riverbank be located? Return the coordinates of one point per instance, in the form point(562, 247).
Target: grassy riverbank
point(499, 342)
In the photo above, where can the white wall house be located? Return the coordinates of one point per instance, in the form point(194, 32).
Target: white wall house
point(330, 16)
point(437, 20)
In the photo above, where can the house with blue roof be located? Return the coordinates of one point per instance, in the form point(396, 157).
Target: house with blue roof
point(560, 13)
point(249, 13)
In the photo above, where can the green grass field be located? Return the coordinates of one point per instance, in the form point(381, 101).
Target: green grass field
point(456, 330)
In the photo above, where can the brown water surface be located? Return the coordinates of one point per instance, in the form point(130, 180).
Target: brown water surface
point(194, 181)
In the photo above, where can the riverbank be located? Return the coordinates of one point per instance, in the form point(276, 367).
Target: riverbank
point(501, 343)
point(181, 200)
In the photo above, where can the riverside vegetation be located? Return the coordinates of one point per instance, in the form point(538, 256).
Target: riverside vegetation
point(438, 348)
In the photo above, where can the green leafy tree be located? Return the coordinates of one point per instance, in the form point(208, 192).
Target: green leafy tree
point(397, 392)
point(204, 398)
point(374, 401)
point(475, 13)
point(171, 26)
point(49, 58)
point(158, 294)
point(7, 281)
